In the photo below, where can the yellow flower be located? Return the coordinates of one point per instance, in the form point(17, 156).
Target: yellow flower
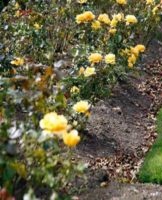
point(89, 71)
point(104, 18)
point(95, 58)
point(140, 48)
point(130, 65)
point(54, 123)
point(150, 2)
point(110, 58)
point(112, 31)
point(85, 17)
point(119, 17)
point(71, 139)
point(132, 60)
point(80, 19)
point(82, 1)
point(17, 6)
point(155, 9)
point(37, 26)
point(122, 2)
point(96, 25)
point(75, 90)
point(113, 22)
point(135, 51)
point(116, 18)
point(130, 19)
point(81, 71)
point(17, 13)
point(18, 61)
point(81, 107)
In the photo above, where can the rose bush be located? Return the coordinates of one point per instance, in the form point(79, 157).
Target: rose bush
point(45, 101)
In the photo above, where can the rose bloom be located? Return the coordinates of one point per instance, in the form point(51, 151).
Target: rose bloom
point(135, 51)
point(81, 71)
point(122, 2)
point(130, 19)
point(17, 61)
point(17, 13)
point(112, 31)
point(119, 17)
point(37, 26)
point(110, 58)
point(132, 60)
point(82, 1)
point(85, 17)
point(150, 2)
point(75, 89)
point(95, 58)
point(81, 107)
point(89, 71)
point(71, 139)
point(104, 18)
point(140, 47)
point(113, 22)
point(96, 25)
point(17, 6)
point(54, 123)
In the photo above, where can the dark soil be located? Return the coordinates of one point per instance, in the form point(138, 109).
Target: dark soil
point(116, 191)
point(120, 132)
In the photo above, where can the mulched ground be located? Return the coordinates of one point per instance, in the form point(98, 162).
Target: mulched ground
point(117, 191)
point(120, 132)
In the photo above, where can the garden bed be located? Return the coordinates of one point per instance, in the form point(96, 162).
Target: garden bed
point(120, 132)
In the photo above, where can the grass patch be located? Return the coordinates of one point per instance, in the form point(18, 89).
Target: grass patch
point(151, 170)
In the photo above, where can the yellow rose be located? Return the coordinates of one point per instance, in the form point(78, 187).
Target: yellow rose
point(130, 19)
point(119, 17)
point(113, 22)
point(132, 60)
point(95, 58)
point(75, 90)
point(135, 51)
point(89, 71)
point(150, 2)
point(116, 18)
point(122, 2)
point(81, 71)
point(54, 123)
point(80, 19)
point(17, 13)
point(140, 48)
point(104, 18)
point(112, 31)
point(37, 26)
point(110, 58)
point(82, 1)
point(18, 61)
point(85, 17)
point(155, 9)
point(81, 107)
point(17, 6)
point(71, 139)
point(96, 25)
